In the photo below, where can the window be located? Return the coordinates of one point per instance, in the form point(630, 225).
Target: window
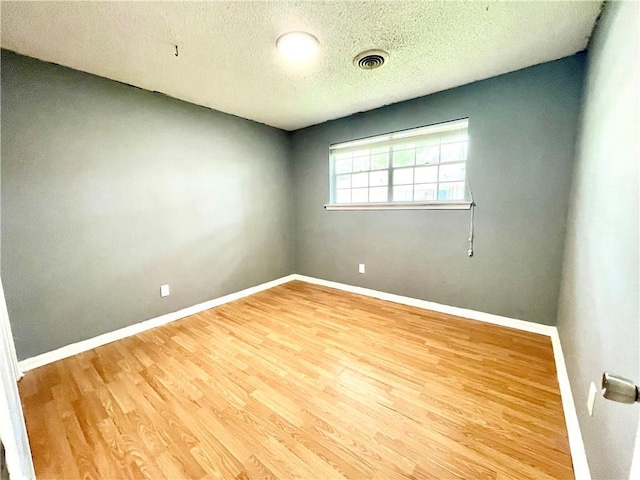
point(420, 168)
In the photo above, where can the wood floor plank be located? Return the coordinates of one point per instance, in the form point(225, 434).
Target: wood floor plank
point(303, 381)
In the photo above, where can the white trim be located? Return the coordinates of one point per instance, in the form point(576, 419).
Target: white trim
point(436, 307)
point(13, 432)
point(7, 336)
point(91, 343)
point(432, 205)
point(576, 445)
point(578, 453)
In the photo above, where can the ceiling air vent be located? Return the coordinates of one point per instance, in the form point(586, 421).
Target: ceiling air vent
point(370, 59)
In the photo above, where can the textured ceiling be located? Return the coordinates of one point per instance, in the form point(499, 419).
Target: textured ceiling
point(228, 60)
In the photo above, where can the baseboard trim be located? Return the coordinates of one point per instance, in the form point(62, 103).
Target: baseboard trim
point(576, 445)
point(436, 307)
point(91, 343)
point(578, 455)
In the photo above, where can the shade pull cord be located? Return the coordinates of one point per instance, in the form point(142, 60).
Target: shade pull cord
point(471, 226)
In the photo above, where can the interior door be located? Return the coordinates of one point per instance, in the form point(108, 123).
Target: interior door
point(13, 432)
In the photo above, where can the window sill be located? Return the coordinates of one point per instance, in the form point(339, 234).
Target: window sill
point(455, 205)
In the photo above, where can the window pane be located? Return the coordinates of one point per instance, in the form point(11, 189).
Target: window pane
point(379, 161)
point(360, 195)
point(343, 166)
point(343, 196)
point(379, 178)
point(404, 158)
point(343, 181)
point(428, 155)
point(453, 152)
point(428, 142)
point(403, 193)
point(342, 156)
point(426, 174)
point(404, 146)
point(449, 173)
point(420, 165)
point(379, 150)
point(360, 180)
point(360, 164)
point(378, 194)
point(460, 135)
point(451, 191)
point(402, 176)
point(425, 192)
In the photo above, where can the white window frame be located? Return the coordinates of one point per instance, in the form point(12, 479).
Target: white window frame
point(380, 141)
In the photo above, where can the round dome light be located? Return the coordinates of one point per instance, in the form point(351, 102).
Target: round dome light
point(297, 46)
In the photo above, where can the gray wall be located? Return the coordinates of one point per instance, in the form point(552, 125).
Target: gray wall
point(599, 302)
point(522, 128)
point(109, 191)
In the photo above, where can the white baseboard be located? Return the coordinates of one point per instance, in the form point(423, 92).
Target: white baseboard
point(578, 455)
point(581, 468)
point(436, 307)
point(84, 345)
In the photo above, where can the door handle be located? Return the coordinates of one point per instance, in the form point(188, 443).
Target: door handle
point(619, 389)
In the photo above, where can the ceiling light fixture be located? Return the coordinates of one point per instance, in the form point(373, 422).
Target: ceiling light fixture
point(297, 46)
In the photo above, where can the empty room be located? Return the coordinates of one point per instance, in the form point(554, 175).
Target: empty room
point(320, 239)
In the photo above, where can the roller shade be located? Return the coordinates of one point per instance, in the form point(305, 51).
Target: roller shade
point(453, 131)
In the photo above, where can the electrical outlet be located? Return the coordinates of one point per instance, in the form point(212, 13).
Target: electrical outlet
point(361, 268)
point(592, 398)
point(164, 290)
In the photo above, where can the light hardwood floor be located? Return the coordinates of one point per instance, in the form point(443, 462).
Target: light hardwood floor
point(303, 381)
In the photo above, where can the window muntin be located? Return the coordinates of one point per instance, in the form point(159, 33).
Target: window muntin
point(419, 166)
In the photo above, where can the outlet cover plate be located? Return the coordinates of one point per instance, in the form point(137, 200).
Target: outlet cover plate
point(361, 268)
point(164, 290)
